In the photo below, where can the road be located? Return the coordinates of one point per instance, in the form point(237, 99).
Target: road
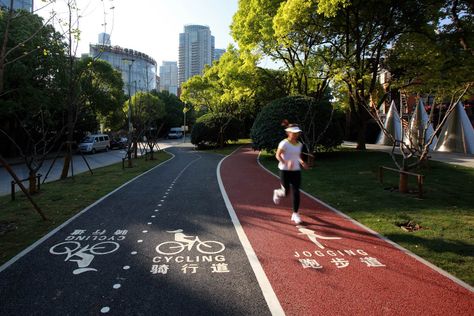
point(161, 245)
point(97, 160)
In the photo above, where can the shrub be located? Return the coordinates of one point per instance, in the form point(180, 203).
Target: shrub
point(215, 129)
point(312, 116)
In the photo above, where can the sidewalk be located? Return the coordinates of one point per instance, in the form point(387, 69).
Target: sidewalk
point(451, 158)
point(97, 160)
point(332, 265)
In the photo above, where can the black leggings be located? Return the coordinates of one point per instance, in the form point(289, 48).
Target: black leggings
point(294, 178)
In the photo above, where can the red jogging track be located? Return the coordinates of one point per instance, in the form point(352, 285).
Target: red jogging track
point(357, 274)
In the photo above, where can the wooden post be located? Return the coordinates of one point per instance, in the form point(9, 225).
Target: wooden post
point(13, 191)
point(420, 186)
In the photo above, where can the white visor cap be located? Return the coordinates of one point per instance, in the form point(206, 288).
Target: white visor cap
point(293, 129)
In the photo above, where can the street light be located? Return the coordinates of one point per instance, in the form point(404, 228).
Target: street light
point(129, 61)
point(185, 109)
point(129, 152)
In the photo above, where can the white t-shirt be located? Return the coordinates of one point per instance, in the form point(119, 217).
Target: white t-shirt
point(291, 152)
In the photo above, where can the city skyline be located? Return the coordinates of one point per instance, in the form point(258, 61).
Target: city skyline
point(151, 27)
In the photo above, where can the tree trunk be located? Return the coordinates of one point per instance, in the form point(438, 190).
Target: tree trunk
point(129, 157)
point(403, 183)
point(361, 134)
point(32, 180)
point(151, 152)
point(135, 147)
point(67, 160)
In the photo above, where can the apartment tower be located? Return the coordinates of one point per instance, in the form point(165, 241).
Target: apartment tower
point(196, 49)
point(169, 77)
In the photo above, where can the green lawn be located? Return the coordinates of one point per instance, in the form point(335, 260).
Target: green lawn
point(347, 180)
point(21, 226)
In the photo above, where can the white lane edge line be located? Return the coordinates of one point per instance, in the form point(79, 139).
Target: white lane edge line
point(265, 286)
point(54, 231)
point(394, 244)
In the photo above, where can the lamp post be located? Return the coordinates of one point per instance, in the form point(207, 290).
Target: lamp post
point(129, 61)
point(129, 152)
point(185, 109)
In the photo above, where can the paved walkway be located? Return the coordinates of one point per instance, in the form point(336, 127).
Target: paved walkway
point(332, 265)
point(97, 160)
point(199, 235)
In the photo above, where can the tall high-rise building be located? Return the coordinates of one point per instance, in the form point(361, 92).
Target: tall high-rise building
point(104, 39)
point(169, 77)
point(18, 4)
point(218, 52)
point(196, 49)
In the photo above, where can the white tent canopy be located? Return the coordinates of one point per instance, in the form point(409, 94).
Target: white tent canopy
point(420, 126)
point(457, 134)
point(393, 127)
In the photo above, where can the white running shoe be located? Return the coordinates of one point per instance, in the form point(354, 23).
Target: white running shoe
point(276, 198)
point(295, 217)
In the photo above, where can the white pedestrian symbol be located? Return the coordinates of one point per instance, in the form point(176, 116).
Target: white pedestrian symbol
point(314, 237)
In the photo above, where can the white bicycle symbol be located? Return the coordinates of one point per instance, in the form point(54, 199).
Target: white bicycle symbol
point(84, 255)
point(181, 242)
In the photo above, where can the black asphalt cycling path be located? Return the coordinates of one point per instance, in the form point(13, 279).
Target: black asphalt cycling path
point(55, 279)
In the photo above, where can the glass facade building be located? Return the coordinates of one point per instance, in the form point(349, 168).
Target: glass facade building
point(196, 49)
point(138, 69)
point(218, 52)
point(169, 77)
point(18, 4)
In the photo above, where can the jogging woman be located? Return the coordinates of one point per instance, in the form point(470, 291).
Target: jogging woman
point(289, 158)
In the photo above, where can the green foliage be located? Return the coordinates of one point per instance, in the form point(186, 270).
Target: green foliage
point(290, 33)
point(215, 129)
point(173, 111)
point(147, 110)
point(314, 118)
point(33, 68)
point(31, 83)
point(225, 85)
point(430, 64)
point(101, 92)
point(235, 85)
point(101, 86)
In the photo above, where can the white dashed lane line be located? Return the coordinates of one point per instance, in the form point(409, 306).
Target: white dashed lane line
point(106, 309)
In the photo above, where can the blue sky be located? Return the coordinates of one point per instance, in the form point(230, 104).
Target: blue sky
point(151, 27)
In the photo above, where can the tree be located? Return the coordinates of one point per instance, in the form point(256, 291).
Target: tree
point(314, 116)
point(432, 63)
point(32, 59)
point(101, 88)
point(74, 101)
point(147, 110)
point(173, 111)
point(290, 33)
point(235, 85)
point(215, 129)
point(361, 32)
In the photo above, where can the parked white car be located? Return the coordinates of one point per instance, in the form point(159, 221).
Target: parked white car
point(175, 132)
point(94, 143)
